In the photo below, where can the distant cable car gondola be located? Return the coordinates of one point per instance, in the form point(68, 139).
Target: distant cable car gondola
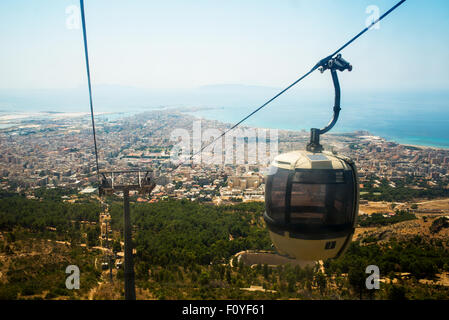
point(312, 196)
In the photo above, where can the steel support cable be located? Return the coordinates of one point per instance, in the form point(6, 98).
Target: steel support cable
point(319, 64)
point(86, 53)
point(369, 27)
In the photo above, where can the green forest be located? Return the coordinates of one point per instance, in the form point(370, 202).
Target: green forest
point(48, 218)
point(186, 233)
point(35, 262)
point(183, 250)
point(378, 219)
point(402, 191)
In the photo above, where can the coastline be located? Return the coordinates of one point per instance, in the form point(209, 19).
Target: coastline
point(402, 141)
point(14, 119)
point(391, 131)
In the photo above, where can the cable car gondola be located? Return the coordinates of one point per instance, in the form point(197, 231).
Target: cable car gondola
point(312, 196)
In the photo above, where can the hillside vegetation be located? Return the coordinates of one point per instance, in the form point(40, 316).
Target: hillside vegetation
point(183, 249)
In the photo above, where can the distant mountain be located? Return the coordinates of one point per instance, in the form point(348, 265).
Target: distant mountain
point(126, 98)
point(237, 88)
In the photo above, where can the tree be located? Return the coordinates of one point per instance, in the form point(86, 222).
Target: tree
point(321, 282)
point(7, 249)
point(357, 277)
point(228, 276)
point(397, 293)
point(142, 270)
point(116, 246)
point(291, 283)
point(92, 238)
point(266, 271)
point(204, 278)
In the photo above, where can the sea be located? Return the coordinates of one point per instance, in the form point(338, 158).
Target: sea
point(412, 117)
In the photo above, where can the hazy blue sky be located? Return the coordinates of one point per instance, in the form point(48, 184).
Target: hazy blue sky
point(185, 44)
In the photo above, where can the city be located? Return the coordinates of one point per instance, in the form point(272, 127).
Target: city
point(58, 153)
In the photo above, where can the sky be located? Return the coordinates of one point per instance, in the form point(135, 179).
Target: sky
point(178, 44)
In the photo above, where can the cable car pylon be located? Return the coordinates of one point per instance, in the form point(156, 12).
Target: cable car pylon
point(107, 186)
